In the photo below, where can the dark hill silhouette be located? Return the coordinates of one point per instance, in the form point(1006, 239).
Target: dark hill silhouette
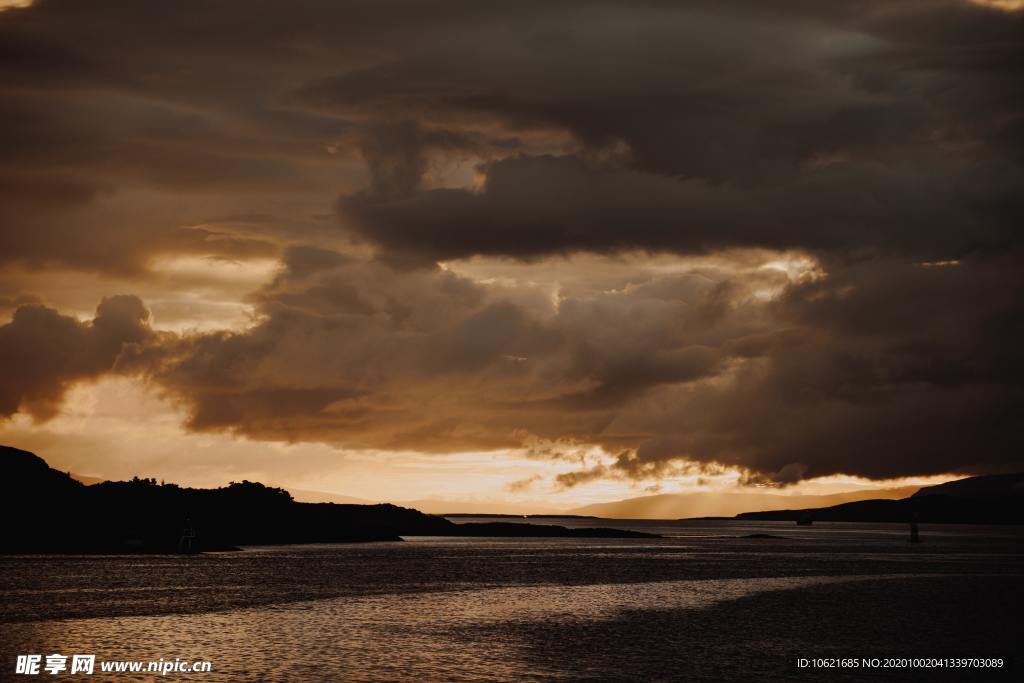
point(725, 504)
point(990, 499)
point(22, 467)
point(48, 511)
point(992, 486)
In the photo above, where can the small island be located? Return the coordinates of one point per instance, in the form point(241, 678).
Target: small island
point(48, 511)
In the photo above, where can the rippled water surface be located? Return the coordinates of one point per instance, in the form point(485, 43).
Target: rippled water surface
point(705, 602)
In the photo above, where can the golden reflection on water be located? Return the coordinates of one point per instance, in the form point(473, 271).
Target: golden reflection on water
point(497, 609)
point(452, 635)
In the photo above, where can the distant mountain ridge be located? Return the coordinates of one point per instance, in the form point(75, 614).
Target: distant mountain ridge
point(986, 499)
point(727, 504)
point(987, 486)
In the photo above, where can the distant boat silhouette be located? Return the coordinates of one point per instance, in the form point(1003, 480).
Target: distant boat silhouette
point(188, 535)
point(914, 537)
point(806, 520)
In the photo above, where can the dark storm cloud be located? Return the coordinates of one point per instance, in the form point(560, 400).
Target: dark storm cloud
point(879, 140)
point(123, 123)
point(823, 129)
point(694, 109)
point(883, 368)
point(43, 352)
point(533, 206)
point(357, 353)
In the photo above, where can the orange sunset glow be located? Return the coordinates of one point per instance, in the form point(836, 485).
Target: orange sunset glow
point(406, 266)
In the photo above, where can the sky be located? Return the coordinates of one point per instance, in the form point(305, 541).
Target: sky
point(532, 255)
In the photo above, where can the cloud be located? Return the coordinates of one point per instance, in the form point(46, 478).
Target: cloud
point(43, 352)
point(535, 206)
point(673, 233)
point(521, 485)
point(835, 129)
point(570, 479)
point(648, 125)
point(884, 368)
